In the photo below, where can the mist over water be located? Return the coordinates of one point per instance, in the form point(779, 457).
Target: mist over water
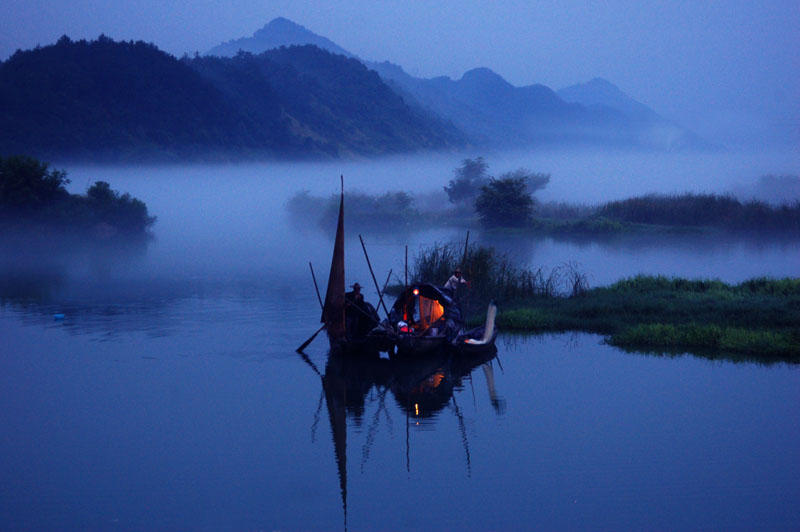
point(225, 228)
point(230, 221)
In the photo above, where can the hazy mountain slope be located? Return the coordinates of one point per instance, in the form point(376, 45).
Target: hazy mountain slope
point(601, 92)
point(278, 32)
point(333, 101)
point(492, 112)
point(104, 99)
point(651, 128)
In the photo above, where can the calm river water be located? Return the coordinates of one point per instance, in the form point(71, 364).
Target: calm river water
point(169, 397)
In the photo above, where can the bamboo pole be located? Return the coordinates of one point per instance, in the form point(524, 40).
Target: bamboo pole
point(374, 280)
point(405, 284)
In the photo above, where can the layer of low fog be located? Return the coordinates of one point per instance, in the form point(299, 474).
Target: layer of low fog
point(229, 223)
point(233, 217)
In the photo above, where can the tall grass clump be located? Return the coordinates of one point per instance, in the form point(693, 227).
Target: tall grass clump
point(494, 275)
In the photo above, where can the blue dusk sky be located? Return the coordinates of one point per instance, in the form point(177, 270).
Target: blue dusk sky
point(708, 64)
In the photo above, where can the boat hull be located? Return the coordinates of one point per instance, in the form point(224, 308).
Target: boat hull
point(420, 345)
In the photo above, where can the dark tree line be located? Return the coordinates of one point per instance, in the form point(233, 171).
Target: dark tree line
point(33, 194)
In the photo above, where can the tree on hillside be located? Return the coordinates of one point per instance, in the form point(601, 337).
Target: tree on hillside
point(467, 181)
point(28, 186)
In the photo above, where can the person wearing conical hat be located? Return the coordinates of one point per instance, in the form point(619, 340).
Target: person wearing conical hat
point(455, 281)
point(355, 310)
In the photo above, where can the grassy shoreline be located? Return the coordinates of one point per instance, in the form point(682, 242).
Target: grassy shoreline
point(758, 318)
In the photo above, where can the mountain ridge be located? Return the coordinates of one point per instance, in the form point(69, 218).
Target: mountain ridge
point(108, 100)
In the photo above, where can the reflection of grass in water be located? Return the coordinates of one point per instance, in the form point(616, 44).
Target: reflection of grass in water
point(759, 317)
point(763, 343)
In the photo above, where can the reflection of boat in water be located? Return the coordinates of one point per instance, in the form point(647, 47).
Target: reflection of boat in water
point(421, 387)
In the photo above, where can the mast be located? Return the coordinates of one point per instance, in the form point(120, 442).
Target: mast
point(333, 310)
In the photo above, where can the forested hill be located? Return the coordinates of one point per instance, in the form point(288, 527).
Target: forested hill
point(333, 100)
point(104, 99)
point(107, 100)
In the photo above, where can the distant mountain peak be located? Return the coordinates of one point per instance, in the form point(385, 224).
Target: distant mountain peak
point(281, 24)
point(602, 86)
point(485, 78)
point(278, 32)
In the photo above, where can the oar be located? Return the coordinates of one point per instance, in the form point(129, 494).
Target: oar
point(305, 344)
point(315, 286)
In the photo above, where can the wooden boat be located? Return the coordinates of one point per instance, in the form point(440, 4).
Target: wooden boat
point(480, 339)
point(425, 319)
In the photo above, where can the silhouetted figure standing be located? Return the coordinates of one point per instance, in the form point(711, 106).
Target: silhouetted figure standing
point(356, 313)
point(455, 282)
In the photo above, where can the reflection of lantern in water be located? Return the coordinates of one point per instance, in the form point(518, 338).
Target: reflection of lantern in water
point(436, 379)
point(416, 409)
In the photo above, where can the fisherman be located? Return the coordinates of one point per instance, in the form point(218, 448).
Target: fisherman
point(456, 280)
point(355, 297)
point(356, 311)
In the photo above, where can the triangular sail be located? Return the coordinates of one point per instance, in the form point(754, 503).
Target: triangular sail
point(333, 311)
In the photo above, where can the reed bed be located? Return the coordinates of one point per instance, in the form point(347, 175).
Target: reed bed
point(709, 210)
point(759, 317)
point(494, 275)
